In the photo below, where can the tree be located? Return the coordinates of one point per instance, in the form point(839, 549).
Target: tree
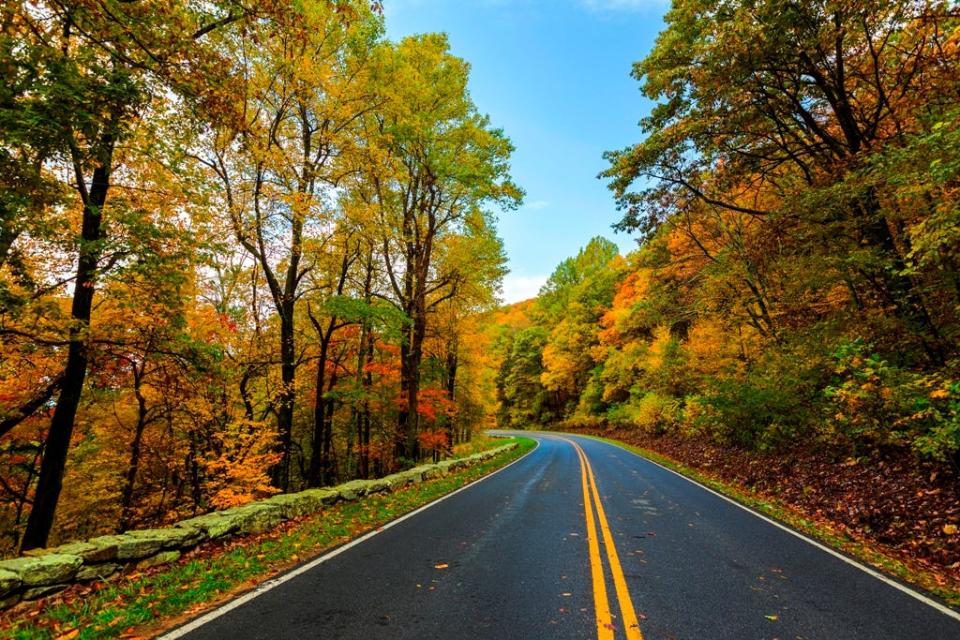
point(439, 163)
point(302, 98)
point(91, 71)
point(771, 110)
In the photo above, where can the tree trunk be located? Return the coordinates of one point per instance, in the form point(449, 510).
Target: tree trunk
point(453, 363)
point(315, 472)
point(411, 352)
point(61, 425)
point(327, 471)
point(288, 372)
point(126, 500)
point(368, 348)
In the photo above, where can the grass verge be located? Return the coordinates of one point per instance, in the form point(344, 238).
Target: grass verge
point(829, 533)
point(144, 604)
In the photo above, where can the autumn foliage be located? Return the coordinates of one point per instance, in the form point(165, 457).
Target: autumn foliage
point(795, 292)
point(239, 244)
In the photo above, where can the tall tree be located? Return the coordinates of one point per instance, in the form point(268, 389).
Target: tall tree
point(771, 110)
point(440, 162)
point(302, 97)
point(100, 67)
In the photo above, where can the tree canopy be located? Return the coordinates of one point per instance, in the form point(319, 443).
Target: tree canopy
point(239, 246)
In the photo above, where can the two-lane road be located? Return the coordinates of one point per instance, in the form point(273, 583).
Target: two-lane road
point(581, 539)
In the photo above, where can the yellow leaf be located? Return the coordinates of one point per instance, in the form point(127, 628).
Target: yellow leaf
point(442, 565)
point(950, 529)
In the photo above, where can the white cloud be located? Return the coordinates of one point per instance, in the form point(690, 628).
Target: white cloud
point(519, 288)
point(538, 204)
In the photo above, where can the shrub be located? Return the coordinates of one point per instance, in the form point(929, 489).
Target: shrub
point(876, 403)
point(651, 413)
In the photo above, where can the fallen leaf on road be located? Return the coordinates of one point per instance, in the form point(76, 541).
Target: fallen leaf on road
point(566, 594)
point(772, 616)
point(442, 565)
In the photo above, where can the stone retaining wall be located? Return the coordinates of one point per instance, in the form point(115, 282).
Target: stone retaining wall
point(41, 572)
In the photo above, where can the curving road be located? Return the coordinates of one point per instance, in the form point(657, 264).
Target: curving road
point(581, 539)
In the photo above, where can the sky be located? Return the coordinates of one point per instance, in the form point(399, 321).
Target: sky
point(555, 75)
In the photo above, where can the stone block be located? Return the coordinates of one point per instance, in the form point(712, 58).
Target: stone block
point(97, 571)
point(353, 490)
point(164, 557)
point(169, 538)
point(37, 571)
point(9, 601)
point(255, 518)
point(35, 593)
point(395, 481)
point(326, 496)
point(9, 581)
point(377, 486)
point(212, 525)
point(102, 549)
point(296, 505)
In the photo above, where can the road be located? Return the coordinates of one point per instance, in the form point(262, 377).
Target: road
point(518, 555)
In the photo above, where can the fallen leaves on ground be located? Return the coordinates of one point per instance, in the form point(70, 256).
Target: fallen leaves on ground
point(889, 500)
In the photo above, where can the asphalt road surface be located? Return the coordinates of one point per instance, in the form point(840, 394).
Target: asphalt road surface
point(581, 539)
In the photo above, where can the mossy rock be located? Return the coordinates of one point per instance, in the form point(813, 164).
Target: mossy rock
point(35, 593)
point(210, 525)
point(169, 538)
point(326, 496)
point(44, 570)
point(296, 505)
point(9, 581)
point(133, 546)
point(353, 490)
point(96, 550)
point(412, 476)
point(431, 471)
point(164, 557)
point(71, 548)
point(395, 481)
point(97, 571)
point(255, 518)
point(377, 486)
point(9, 601)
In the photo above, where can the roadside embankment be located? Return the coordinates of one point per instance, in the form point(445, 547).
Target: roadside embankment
point(43, 572)
point(888, 510)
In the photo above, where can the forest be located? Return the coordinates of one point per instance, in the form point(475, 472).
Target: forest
point(251, 247)
point(241, 248)
point(790, 317)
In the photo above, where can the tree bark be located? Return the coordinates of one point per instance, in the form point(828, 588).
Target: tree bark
point(57, 445)
point(133, 467)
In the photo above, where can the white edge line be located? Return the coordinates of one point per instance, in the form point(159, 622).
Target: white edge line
point(262, 588)
point(942, 608)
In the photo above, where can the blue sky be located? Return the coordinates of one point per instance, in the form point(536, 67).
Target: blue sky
point(554, 74)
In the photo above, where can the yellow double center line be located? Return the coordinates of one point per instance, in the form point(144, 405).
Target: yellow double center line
point(605, 626)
